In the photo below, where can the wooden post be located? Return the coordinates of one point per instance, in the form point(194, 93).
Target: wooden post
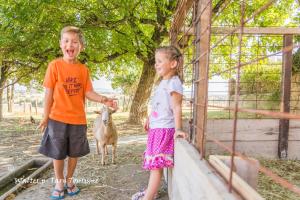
point(86, 104)
point(285, 98)
point(36, 105)
point(30, 108)
point(24, 106)
point(201, 68)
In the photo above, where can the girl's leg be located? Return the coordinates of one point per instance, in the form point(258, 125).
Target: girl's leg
point(59, 176)
point(154, 183)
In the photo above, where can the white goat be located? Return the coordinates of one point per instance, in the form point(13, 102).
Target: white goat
point(105, 133)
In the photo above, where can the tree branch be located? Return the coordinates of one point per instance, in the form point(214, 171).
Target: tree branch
point(105, 59)
point(148, 21)
point(218, 6)
point(21, 76)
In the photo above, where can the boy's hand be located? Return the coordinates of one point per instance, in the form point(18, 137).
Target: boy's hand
point(43, 124)
point(180, 134)
point(146, 125)
point(110, 102)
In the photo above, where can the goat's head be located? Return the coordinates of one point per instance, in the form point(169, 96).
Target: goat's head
point(106, 113)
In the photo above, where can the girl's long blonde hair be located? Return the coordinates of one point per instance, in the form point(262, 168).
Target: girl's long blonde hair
point(173, 53)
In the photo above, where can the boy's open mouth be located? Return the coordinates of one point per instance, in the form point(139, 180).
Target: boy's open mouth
point(70, 52)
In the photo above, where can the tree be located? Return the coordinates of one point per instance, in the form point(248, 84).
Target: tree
point(25, 44)
point(260, 76)
point(114, 31)
point(126, 29)
point(121, 37)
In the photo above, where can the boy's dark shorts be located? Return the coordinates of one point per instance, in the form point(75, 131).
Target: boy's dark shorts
point(61, 140)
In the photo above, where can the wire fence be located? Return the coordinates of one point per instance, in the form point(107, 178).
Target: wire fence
point(237, 69)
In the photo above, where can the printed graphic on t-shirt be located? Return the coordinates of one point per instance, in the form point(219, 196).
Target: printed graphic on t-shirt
point(155, 110)
point(72, 86)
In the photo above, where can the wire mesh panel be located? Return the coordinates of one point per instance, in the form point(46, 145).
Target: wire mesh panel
point(238, 65)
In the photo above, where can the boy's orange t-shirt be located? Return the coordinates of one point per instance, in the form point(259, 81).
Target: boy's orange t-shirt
point(69, 82)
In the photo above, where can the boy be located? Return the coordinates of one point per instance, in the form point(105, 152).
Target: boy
point(67, 83)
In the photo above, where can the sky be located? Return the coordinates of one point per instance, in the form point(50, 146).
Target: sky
point(102, 83)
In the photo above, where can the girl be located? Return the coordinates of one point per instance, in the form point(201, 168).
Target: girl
point(164, 121)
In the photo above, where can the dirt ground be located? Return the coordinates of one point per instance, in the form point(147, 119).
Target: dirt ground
point(116, 182)
point(19, 142)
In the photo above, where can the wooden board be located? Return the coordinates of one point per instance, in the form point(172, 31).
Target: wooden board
point(251, 30)
point(193, 178)
point(238, 184)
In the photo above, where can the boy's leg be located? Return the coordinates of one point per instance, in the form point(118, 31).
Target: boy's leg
point(72, 162)
point(154, 183)
point(78, 146)
point(59, 176)
point(54, 146)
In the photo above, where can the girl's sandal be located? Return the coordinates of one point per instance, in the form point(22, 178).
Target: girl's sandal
point(60, 194)
point(139, 195)
point(73, 190)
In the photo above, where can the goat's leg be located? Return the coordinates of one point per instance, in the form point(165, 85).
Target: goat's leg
point(102, 154)
point(113, 156)
point(97, 146)
point(106, 151)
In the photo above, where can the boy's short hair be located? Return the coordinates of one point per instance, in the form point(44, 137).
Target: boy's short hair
point(73, 29)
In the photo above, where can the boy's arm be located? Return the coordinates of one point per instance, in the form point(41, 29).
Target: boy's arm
point(176, 100)
point(47, 107)
point(93, 96)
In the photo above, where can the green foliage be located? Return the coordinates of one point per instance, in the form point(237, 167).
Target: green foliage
point(296, 62)
point(118, 33)
point(261, 79)
point(27, 39)
point(225, 55)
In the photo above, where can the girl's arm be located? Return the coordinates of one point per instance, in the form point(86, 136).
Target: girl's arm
point(93, 96)
point(146, 125)
point(176, 100)
point(47, 106)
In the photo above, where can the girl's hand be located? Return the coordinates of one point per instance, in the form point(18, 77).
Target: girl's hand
point(43, 124)
point(146, 125)
point(180, 134)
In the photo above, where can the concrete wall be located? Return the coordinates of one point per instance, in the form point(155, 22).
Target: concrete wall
point(194, 179)
point(255, 137)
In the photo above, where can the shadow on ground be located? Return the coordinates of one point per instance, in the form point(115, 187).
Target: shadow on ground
point(117, 182)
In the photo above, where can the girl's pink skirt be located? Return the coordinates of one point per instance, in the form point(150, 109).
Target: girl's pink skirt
point(160, 149)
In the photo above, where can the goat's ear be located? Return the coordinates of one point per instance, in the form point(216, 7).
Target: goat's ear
point(97, 112)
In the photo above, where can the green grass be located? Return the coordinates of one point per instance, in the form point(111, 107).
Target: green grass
point(223, 114)
point(287, 169)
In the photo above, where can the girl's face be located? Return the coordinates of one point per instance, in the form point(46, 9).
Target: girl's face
point(70, 46)
point(164, 66)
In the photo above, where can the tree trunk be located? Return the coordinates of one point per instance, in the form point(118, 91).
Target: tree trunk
point(129, 100)
point(124, 104)
point(10, 98)
point(36, 106)
point(3, 71)
point(1, 107)
point(138, 109)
